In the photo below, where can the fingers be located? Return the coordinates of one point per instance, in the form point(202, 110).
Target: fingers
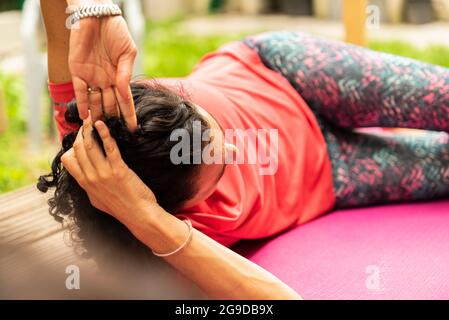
point(109, 144)
point(109, 103)
point(82, 99)
point(95, 104)
point(93, 150)
point(102, 103)
point(105, 102)
point(124, 71)
point(123, 91)
point(127, 109)
point(82, 158)
point(70, 163)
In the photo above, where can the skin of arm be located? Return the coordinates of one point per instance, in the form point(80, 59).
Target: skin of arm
point(97, 52)
point(102, 54)
point(58, 37)
point(218, 271)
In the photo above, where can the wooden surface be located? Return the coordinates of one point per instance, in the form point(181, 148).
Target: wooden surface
point(34, 257)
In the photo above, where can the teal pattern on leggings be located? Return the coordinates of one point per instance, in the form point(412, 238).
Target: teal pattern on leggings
point(349, 87)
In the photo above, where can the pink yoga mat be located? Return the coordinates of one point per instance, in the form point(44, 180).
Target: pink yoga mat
point(385, 252)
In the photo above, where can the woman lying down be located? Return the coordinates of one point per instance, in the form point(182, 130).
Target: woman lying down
point(257, 139)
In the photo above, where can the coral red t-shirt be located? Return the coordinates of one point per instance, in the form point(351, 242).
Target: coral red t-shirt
point(235, 87)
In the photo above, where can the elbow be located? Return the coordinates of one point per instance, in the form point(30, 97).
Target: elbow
point(277, 292)
point(288, 296)
point(283, 293)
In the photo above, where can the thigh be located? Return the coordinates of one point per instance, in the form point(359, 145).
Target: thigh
point(355, 87)
point(374, 169)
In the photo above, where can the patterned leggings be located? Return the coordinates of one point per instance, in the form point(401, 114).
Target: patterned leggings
point(349, 87)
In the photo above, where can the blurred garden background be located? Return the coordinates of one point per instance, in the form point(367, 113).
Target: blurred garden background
point(175, 35)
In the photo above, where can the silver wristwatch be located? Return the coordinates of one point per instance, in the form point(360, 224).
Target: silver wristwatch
point(96, 10)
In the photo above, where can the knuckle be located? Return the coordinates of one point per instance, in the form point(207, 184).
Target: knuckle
point(64, 158)
point(76, 145)
point(119, 173)
point(109, 147)
point(104, 176)
point(133, 50)
point(115, 173)
point(92, 179)
point(82, 182)
point(88, 145)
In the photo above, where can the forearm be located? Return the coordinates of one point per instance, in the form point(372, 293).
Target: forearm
point(218, 271)
point(54, 13)
point(58, 36)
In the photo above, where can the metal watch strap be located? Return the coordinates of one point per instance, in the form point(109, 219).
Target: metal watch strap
point(96, 10)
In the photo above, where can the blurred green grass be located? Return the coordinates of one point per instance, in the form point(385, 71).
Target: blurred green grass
point(171, 53)
point(434, 54)
point(18, 167)
point(168, 52)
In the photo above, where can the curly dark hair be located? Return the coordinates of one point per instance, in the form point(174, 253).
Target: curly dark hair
point(146, 151)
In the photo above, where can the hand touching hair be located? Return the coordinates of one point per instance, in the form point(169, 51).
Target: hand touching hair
point(146, 151)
